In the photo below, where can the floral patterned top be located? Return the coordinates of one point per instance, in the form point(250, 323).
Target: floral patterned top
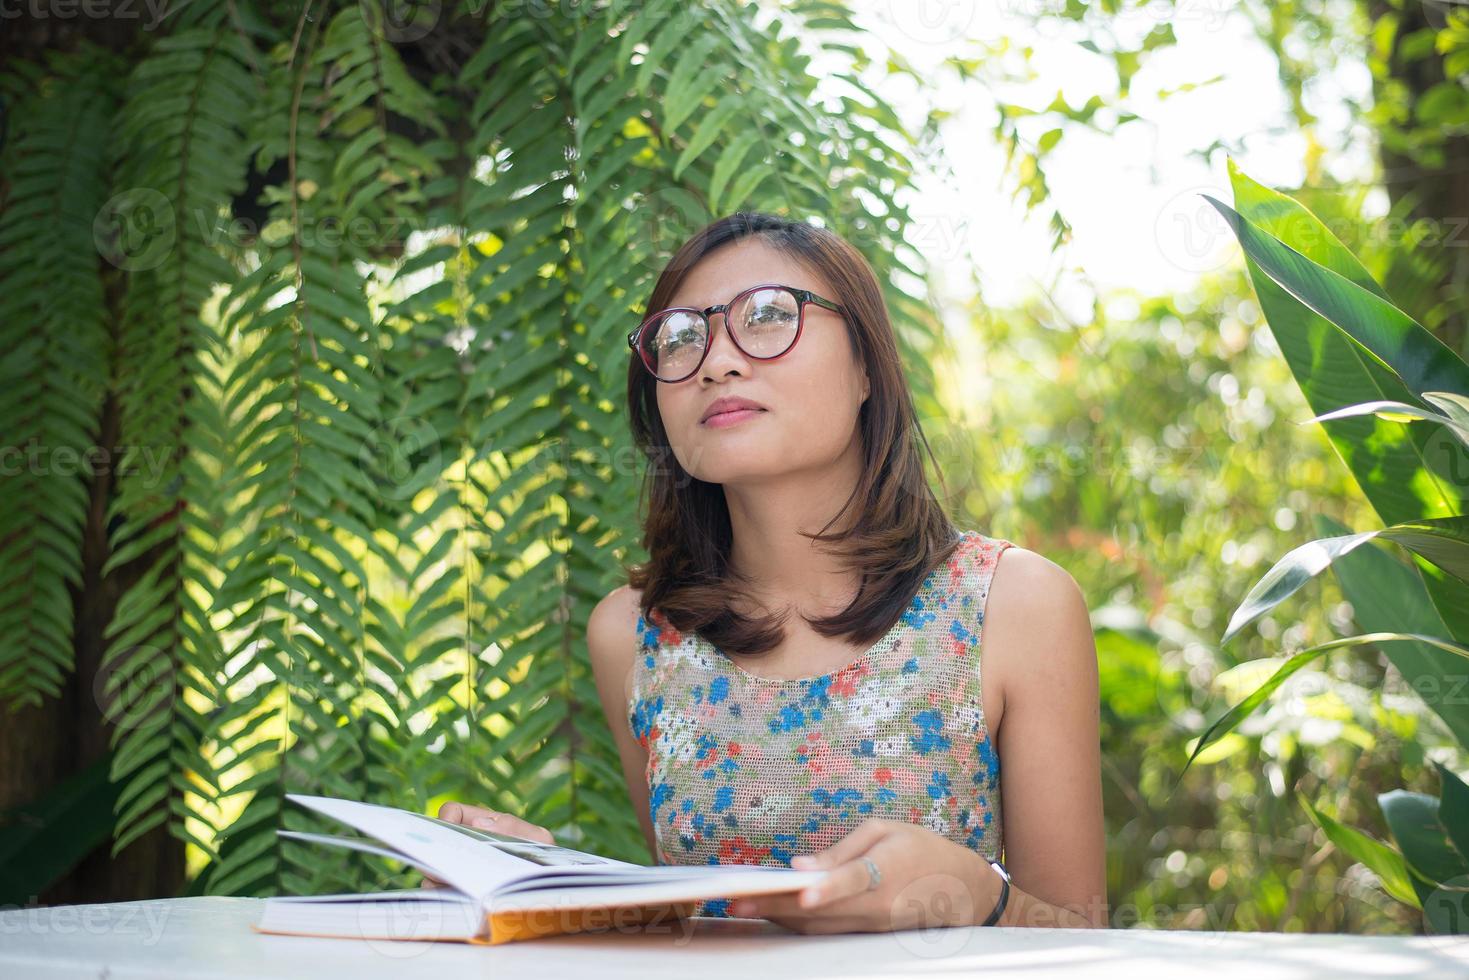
point(751, 770)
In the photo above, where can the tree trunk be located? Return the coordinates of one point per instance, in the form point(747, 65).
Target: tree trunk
point(1435, 192)
point(42, 746)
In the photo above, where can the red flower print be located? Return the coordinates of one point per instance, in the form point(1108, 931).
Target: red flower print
point(667, 633)
point(737, 850)
point(883, 775)
point(734, 749)
point(844, 684)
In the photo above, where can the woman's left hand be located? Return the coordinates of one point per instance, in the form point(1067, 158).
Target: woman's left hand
point(926, 881)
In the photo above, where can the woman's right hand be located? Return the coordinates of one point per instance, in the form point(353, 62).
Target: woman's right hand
point(479, 818)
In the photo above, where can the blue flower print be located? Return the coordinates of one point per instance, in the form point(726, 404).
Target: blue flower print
point(930, 731)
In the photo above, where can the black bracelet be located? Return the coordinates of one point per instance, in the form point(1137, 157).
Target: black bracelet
point(1004, 893)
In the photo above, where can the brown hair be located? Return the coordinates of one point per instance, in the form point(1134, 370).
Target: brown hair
point(902, 532)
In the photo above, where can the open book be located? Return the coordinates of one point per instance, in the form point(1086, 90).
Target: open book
point(500, 888)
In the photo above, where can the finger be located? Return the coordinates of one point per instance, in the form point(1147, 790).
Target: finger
point(464, 813)
point(806, 922)
point(822, 924)
point(504, 823)
point(852, 846)
point(853, 878)
point(781, 905)
point(483, 818)
point(771, 907)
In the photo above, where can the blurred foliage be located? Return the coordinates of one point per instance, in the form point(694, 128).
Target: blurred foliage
point(1148, 451)
point(1397, 403)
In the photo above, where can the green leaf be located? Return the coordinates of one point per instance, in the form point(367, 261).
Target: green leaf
point(1295, 569)
point(1420, 360)
point(1231, 719)
point(1445, 542)
point(1454, 810)
point(1379, 858)
point(709, 129)
point(1405, 471)
point(43, 840)
point(684, 99)
point(1415, 824)
point(1398, 412)
point(1388, 595)
point(729, 162)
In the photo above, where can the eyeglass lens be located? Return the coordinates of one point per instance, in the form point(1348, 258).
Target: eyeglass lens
point(763, 322)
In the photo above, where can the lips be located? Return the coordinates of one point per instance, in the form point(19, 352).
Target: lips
point(722, 406)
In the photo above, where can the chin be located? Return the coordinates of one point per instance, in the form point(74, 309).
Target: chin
point(731, 467)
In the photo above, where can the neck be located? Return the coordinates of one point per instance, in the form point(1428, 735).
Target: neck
point(767, 517)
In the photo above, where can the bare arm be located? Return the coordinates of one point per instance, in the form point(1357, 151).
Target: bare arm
point(612, 647)
point(1038, 644)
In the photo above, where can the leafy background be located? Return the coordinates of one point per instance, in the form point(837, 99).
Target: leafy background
point(313, 331)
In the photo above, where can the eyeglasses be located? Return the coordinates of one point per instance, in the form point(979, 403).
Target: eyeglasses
point(764, 322)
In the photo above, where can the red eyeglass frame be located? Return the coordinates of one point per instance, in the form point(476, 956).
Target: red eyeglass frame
point(803, 297)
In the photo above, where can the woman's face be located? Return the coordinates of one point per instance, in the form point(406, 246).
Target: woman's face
point(810, 396)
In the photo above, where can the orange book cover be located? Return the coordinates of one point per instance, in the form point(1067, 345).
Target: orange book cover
point(509, 927)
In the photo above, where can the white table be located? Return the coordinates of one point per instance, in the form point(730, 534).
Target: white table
point(211, 937)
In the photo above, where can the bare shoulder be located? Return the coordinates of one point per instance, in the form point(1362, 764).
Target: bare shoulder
point(1031, 582)
point(612, 626)
point(1036, 611)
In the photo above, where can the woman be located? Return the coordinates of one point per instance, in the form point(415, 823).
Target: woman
point(794, 675)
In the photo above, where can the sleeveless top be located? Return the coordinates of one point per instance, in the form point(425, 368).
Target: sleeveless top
point(752, 770)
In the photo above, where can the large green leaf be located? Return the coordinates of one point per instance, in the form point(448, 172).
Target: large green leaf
point(1420, 360)
point(1453, 809)
point(1400, 412)
point(1445, 542)
point(1405, 471)
point(1416, 825)
point(1388, 595)
point(41, 841)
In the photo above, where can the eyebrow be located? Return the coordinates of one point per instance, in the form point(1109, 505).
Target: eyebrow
point(732, 295)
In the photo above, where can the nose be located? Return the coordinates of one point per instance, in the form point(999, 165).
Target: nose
point(724, 355)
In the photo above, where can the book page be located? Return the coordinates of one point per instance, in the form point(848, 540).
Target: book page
point(458, 856)
point(673, 888)
point(364, 844)
point(481, 865)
